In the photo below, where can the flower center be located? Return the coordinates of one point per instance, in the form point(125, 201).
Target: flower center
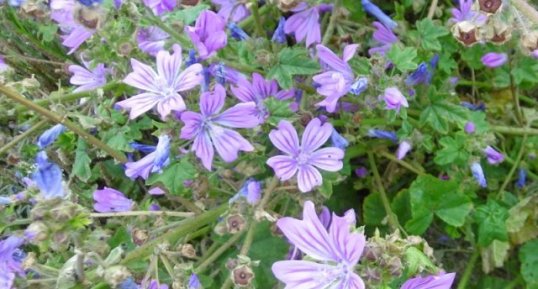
point(302, 158)
point(166, 89)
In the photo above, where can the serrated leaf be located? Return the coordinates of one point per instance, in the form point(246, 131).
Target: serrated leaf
point(491, 219)
point(439, 114)
point(187, 15)
point(174, 176)
point(373, 209)
point(429, 34)
point(81, 166)
point(453, 151)
point(292, 61)
point(405, 59)
point(326, 188)
point(278, 110)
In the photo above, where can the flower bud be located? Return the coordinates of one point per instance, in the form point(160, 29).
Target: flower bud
point(500, 33)
point(235, 223)
point(287, 5)
point(115, 275)
point(242, 276)
point(470, 127)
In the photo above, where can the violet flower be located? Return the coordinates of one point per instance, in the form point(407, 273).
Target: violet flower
point(383, 36)
point(478, 174)
point(236, 32)
point(521, 178)
point(151, 39)
point(50, 135)
point(86, 78)
point(154, 284)
point(194, 282)
point(3, 64)
point(466, 13)
point(304, 24)
point(279, 36)
point(223, 74)
point(361, 172)
point(338, 140)
point(441, 281)
point(423, 74)
point(333, 253)
point(210, 128)
point(337, 79)
point(10, 264)
point(534, 53)
point(48, 177)
point(383, 134)
point(161, 87)
point(232, 10)
point(160, 7)
point(493, 60)
point(208, 34)
point(305, 158)
point(63, 13)
point(403, 149)
point(251, 191)
point(153, 162)
point(109, 200)
point(375, 11)
point(494, 157)
point(394, 99)
point(470, 127)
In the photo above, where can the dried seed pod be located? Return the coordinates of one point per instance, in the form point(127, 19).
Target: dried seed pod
point(89, 17)
point(287, 5)
point(529, 41)
point(242, 276)
point(139, 236)
point(466, 33)
point(490, 6)
point(501, 33)
point(235, 223)
point(187, 250)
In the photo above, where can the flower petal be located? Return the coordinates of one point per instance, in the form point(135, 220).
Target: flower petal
point(189, 78)
point(228, 142)
point(211, 102)
point(328, 159)
point(348, 245)
point(303, 274)
point(308, 178)
point(285, 138)
point(169, 66)
point(139, 104)
point(169, 104)
point(315, 135)
point(143, 77)
point(327, 57)
point(241, 115)
point(285, 167)
point(204, 149)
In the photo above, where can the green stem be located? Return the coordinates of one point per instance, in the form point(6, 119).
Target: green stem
point(22, 136)
point(142, 213)
point(332, 22)
point(120, 157)
point(433, 7)
point(419, 171)
point(393, 221)
point(257, 18)
point(514, 282)
point(529, 173)
point(174, 34)
point(515, 95)
point(514, 165)
point(514, 130)
point(188, 226)
point(249, 20)
point(221, 250)
point(469, 270)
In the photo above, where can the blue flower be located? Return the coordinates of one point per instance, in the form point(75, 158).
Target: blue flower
point(90, 3)
point(338, 140)
point(522, 178)
point(142, 147)
point(192, 58)
point(359, 86)
point(49, 136)
point(373, 10)
point(473, 107)
point(251, 191)
point(128, 283)
point(423, 74)
point(162, 154)
point(383, 134)
point(478, 174)
point(48, 177)
point(237, 33)
point(194, 282)
point(279, 36)
point(10, 260)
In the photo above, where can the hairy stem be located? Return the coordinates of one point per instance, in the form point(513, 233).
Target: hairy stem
point(332, 22)
point(22, 136)
point(10, 93)
point(433, 7)
point(514, 130)
point(526, 10)
point(142, 213)
point(221, 250)
point(419, 171)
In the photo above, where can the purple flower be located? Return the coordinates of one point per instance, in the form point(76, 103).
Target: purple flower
point(110, 200)
point(478, 174)
point(50, 135)
point(161, 87)
point(494, 157)
point(338, 140)
point(385, 37)
point(210, 128)
point(3, 65)
point(441, 281)
point(251, 191)
point(279, 36)
point(208, 34)
point(424, 73)
point(373, 10)
point(333, 253)
point(466, 13)
point(236, 32)
point(473, 107)
point(521, 178)
point(90, 3)
point(225, 74)
point(337, 78)
point(305, 23)
point(305, 158)
point(470, 127)
point(232, 10)
point(361, 172)
point(153, 162)
point(63, 12)
point(394, 99)
point(154, 284)
point(48, 177)
point(87, 79)
point(534, 53)
point(151, 39)
point(160, 7)
point(493, 60)
point(403, 149)
point(194, 283)
point(383, 134)
point(156, 191)
point(10, 264)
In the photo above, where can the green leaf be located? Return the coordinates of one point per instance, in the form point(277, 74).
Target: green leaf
point(440, 113)
point(81, 166)
point(415, 260)
point(187, 15)
point(525, 71)
point(404, 59)
point(326, 189)
point(292, 61)
point(373, 209)
point(278, 110)
point(529, 263)
point(453, 151)
point(494, 255)
point(174, 175)
point(429, 34)
point(431, 196)
point(491, 219)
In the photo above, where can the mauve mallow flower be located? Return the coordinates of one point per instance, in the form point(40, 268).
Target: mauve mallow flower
point(110, 200)
point(375, 11)
point(470, 127)
point(161, 88)
point(151, 39)
point(153, 162)
point(208, 34)
point(305, 158)
point(3, 64)
point(333, 252)
point(494, 157)
point(279, 36)
point(232, 10)
point(50, 135)
point(403, 149)
point(394, 99)
point(63, 12)
point(441, 281)
point(478, 174)
point(493, 59)
point(466, 13)
point(211, 129)
point(338, 78)
point(194, 282)
point(154, 284)
point(304, 24)
point(48, 177)
point(384, 37)
point(10, 263)
point(87, 78)
point(251, 191)
point(160, 7)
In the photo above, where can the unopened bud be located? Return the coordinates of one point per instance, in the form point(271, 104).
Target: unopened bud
point(242, 276)
point(235, 223)
point(287, 5)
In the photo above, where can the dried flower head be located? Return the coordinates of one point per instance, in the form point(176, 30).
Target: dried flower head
point(490, 6)
point(466, 33)
point(242, 276)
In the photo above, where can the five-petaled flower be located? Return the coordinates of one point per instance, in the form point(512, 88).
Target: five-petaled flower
point(333, 252)
point(211, 128)
point(208, 34)
point(306, 157)
point(161, 87)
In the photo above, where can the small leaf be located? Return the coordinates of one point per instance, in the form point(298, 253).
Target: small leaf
point(404, 59)
point(81, 166)
point(453, 151)
point(278, 110)
point(491, 219)
point(173, 176)
point(292, 61)
point(186, 15)
point(429, 34)
point(529, 263)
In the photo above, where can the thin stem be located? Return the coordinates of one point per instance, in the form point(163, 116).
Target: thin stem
point(514, 130)
point(514, 165)
point(332, 22)
point(227, 284)
point(120, 157)
point(22, 136)
point(515, 95)
point(221, 250)
point(433, 7)
point(248, 21)
point(469, 269)
point(142, 213)
point(419, 171)
point(393, 221)
point(526, 10)
point(31, 59)
point(187, 204)
point(174, 34)
point(257, 18)
point(248, 239)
